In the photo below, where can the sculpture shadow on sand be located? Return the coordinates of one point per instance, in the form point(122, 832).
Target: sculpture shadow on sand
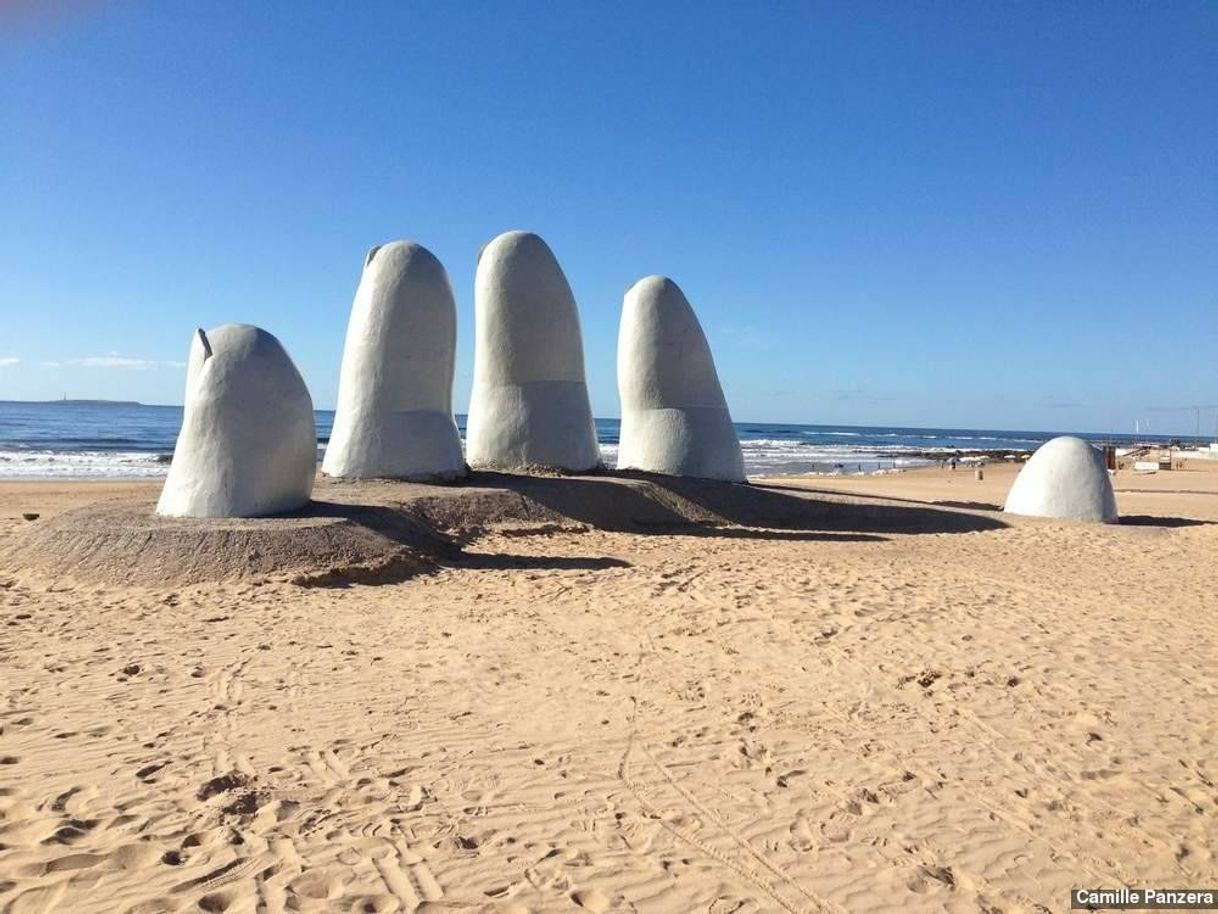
point(383, 532)
point(647, 503)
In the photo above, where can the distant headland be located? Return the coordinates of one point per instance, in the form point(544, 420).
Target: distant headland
point(66, 402)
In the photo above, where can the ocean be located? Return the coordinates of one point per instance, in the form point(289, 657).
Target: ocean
point(101, 440)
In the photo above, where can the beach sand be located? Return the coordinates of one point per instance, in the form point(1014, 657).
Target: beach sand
point(717, 720)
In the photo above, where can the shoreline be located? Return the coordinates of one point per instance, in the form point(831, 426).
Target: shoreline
point(932, 484)
point(931, 459)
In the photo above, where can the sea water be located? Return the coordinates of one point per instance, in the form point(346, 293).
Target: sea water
point(102, 440)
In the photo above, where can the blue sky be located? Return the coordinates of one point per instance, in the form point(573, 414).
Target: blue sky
point(942, 214)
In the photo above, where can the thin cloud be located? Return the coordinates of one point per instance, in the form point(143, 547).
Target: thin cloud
point(9, 361)
point(114, 360)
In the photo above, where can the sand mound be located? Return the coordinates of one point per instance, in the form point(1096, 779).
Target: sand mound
point(381, 531)
point(123, 541)
point(647, 503)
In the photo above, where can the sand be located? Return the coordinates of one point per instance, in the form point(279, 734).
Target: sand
point(564, 718)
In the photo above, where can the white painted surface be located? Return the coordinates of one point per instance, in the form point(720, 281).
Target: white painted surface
point(394, 415)
point(675, 419)
point(248, 446)
point(529, 406)
point(1065, 478)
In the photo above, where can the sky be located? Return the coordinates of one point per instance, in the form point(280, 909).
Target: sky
point(948, 214)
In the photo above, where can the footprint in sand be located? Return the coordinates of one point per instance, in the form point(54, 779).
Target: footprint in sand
point(135, 856)
point(320, 884)
point(376, 904)
point(72, 831)
point(218, 901)
point(592, 900)
point(802, 838)
point(37, 900)
point(74, 862)
point(74, 800)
